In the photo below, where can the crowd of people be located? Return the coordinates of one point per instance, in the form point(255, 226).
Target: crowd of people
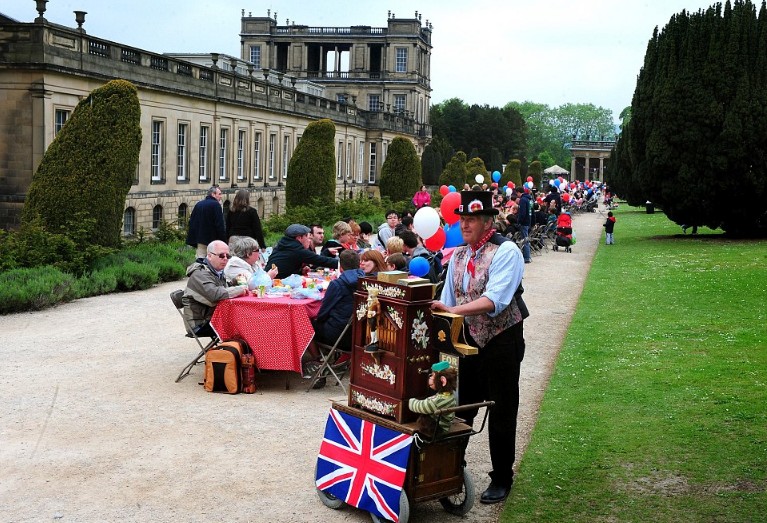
point(480, 280)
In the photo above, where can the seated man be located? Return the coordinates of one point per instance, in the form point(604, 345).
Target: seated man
point(295, 251)
point(206, 287)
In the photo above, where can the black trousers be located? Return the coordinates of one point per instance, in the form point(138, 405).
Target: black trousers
point(493, 375)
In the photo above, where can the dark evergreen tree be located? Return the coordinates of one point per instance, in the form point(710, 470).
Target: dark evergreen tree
point(536, 171)
point(311, 172)
point(401, 171)
point(496, 160)
point(475, 167)
point(431, 165)
point(512, 173)
point(455, 171)
point(85, 175)
point(695, 142)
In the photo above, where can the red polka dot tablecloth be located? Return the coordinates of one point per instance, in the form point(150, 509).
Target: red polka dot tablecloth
point(277, 329)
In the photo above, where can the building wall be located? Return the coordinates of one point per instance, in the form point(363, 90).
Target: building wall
point(45, 68)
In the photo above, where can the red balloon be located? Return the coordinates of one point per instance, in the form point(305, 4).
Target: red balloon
point(448, 206)
point(437, 241)
point(529, 178)
point(566, 197)
point(510, 185)
point(444, 189)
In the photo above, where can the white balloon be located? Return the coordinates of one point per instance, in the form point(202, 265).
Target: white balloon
point(426, 222)
point(509, 190)
point(479, 178)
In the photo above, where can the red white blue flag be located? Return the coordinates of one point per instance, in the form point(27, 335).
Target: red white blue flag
point(363, 464)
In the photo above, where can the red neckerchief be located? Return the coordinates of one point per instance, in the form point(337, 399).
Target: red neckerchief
point(474, 248)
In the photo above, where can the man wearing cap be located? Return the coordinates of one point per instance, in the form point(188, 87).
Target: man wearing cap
point(294, 251)
point(483, 284)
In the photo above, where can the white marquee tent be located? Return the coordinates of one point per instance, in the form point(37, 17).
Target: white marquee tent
point(556, 169)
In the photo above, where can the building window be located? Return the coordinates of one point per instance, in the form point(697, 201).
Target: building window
point(61, 118)
point(156, 217)
point(257, 157)
point(374, 103)
point(401, 60)
point(285, 155)
point(255, 56)
point(272, 143)
point(399, 103)
point(360, 161)
point(222, 152)
point(241, 155)
point(156, 165)
point(182, 161)
point(339, 159)
point(204, 131)
point(349, 160)
point(182, 212)
point(129, 221)
point(372, 170)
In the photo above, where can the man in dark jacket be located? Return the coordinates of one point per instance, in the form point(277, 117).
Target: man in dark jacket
point(524, 218)
point(206, 223)
point(294, 251)
point(338, 303)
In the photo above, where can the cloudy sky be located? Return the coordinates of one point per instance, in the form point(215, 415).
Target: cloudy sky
point(485, 51)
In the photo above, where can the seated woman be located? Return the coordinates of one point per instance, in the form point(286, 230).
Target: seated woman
point(342, 234)
point(372, 262)
point(244, 261)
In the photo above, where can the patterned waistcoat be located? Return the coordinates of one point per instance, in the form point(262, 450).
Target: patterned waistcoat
point(482, 327)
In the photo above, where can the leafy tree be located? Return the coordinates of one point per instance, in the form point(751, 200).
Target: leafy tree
point(87, 171)
point(536, 171)
point(694, 143)
point(431, 165)
point(401, 171)
point(455, 172)
point(311, 172)
point(475, 167)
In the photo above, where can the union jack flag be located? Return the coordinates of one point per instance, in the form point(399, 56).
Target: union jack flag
point(363, 464)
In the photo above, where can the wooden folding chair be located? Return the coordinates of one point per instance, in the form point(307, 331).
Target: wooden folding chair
point(330, 354)
point(203, 331)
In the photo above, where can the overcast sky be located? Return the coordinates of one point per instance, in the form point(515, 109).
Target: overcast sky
point(485, 51)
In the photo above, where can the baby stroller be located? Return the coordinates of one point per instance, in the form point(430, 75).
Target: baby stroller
point(564, 237)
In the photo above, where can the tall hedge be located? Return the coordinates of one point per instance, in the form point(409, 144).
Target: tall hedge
point(312, 169)
point(455, 171)
point(88, 169)
point(401, 171)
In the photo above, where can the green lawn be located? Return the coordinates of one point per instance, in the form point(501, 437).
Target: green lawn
point(657, 409)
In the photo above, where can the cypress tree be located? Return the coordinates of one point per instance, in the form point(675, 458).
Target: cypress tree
point(431, 165)
point(85, 175)
point(401, 171)
point(512, 173)
point(455, 171)
point(536, 171)
point(311, 172)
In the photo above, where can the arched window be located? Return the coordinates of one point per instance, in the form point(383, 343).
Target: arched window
point(182, 210)
point(275, 205)
point(156, 217)
point(260, 206)
point(129, 221)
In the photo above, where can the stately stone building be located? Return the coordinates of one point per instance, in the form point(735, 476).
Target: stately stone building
point(216, 119)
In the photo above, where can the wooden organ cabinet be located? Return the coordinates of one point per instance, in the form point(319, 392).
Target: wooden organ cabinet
point(383, 382)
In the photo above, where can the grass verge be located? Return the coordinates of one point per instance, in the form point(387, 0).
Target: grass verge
point(657, 409)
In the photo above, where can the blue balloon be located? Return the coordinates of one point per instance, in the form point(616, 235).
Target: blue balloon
point(451, 188)
point(557, 182)
point(453, 236)
point(419, 266)
point(496, 176)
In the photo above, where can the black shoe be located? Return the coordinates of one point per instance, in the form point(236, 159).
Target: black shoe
point(494, 494)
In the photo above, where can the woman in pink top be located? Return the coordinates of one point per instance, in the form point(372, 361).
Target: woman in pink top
point(421, 198)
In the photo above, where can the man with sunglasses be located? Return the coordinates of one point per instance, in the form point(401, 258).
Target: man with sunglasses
point(207, 286)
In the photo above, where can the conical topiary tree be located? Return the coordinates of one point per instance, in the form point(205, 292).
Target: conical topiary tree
point(536, 171)
point(455, 171)
point(311, 172)
point(401, 171)
point(87, 171)
point(512, 173)
point(431, 165)
point(476, 167)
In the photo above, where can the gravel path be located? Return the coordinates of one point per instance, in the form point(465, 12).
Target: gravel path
point(93, 427)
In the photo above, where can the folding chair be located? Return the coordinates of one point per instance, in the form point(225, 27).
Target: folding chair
point(203, 331)
point(329, 354)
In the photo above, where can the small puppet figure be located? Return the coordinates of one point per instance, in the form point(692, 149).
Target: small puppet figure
point(374, 307)
point(443, 380)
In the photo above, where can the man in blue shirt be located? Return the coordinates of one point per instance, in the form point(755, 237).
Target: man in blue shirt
point(483, 283)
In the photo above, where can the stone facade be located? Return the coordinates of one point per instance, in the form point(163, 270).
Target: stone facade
point(201, 124)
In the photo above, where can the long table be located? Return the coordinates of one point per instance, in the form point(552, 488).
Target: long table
point(277, 329)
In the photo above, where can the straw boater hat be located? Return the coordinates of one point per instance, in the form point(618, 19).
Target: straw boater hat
point(476, 203)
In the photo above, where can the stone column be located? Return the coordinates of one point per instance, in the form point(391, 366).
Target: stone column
point(586, 168)
point(573, 174)
point(601, 168)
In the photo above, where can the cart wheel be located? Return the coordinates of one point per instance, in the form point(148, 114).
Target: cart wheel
point(404, 510)
point(460, 504)
point(329, 500)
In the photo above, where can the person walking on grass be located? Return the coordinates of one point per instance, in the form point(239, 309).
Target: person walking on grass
point(609, 225)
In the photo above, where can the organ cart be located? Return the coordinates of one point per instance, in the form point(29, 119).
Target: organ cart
point(410, 340)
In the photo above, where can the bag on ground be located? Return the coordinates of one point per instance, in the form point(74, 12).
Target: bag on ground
point(230, 368)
